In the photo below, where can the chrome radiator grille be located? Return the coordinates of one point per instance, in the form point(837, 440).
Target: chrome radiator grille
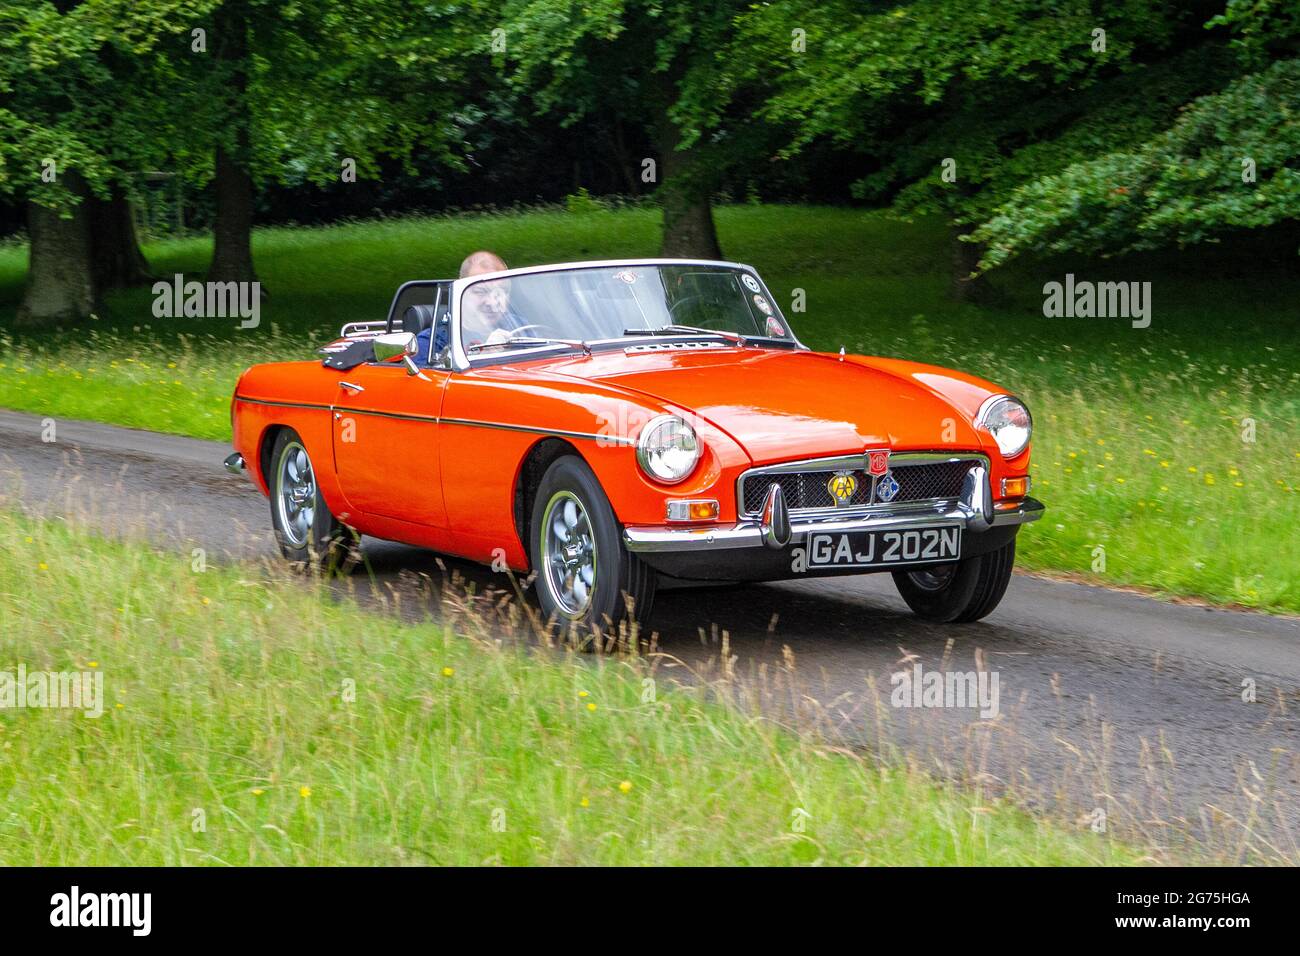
point(928, 478)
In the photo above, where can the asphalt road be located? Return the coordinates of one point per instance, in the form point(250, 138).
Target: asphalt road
point(1108, 700)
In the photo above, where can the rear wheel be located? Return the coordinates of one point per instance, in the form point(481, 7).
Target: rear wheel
point(962, 591)
point(304, 528)
point(586, 580)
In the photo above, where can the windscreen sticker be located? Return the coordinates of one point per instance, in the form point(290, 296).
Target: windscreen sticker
point(774, 327)
point(626, 276)
point(762, 305)
point(750, 282)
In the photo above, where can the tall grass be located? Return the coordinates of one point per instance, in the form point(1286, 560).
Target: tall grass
point(250, 720)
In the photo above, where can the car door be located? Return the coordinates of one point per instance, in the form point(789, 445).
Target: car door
point(386, 434)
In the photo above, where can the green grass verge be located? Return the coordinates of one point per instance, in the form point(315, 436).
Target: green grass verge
point(228, 704)
point(1139, 451)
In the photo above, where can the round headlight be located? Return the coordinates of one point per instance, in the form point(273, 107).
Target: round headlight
point(667, 449)
point(1009, 422)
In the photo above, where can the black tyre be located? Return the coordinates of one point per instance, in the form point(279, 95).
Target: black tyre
point(586, 580)
point(304, 528)
point(962, 591)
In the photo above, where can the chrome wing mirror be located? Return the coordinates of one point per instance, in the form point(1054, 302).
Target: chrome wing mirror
point(392, 344)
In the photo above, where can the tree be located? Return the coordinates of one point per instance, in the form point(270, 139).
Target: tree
point(66, 149)
point(307, 92)
point(1229, 161)
point(666, 66)
point(949, 113)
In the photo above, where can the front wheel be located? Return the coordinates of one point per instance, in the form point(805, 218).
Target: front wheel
point(962, 591)
point(586, 580)
point(306, 531)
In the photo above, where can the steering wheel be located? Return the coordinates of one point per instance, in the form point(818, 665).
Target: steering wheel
point(502, 335)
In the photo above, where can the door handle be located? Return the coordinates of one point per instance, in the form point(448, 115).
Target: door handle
point(355, 388)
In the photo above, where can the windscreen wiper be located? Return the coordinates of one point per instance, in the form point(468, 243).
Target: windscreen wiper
point(687, 330)
point(505, 343)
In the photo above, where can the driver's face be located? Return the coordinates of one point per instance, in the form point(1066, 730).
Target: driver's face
point(489, 302)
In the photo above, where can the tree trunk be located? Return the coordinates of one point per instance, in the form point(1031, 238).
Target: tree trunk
point(115, 251)
point(965, 258)
point(232, 232)
point(686, 193)
point(60, 276)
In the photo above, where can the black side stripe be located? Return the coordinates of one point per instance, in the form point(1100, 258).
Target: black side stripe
point(466, 422)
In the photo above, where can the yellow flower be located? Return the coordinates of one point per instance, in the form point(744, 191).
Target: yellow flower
point(207, 601)
point(1074, 454)
point(591, 706)
point(121, 706)
point(1233, 472)
point(258, 791)
point(584, 802)
point(304, 792)
point(1191, 469)
point(43, 566)
point(582, 693)
point(28, 539)
point(92, 663)
point(625, 786)
point(1148, 451)
point(1209, 479)
point(448, 671)
point(1239, 484)
point(1164, 464)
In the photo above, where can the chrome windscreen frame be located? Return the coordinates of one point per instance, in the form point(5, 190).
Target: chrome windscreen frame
point(460, 359)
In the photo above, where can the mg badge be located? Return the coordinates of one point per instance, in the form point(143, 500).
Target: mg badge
point(878, 462)
point(842, 485)
point(886, 488)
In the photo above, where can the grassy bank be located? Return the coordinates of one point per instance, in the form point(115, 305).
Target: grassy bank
point(1165, 454)
point(248, 720)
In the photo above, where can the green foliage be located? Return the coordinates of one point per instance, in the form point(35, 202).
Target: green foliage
point(69, 91)
point(1185, 185)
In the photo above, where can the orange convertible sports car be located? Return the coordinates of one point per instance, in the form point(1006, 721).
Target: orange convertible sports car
point(608, 424)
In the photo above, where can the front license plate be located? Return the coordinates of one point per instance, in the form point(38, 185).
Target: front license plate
point(870, 549)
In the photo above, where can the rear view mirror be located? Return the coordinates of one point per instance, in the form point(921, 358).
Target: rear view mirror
point(392, 344)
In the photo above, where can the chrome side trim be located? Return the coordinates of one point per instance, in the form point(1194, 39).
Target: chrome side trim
point(750, 534)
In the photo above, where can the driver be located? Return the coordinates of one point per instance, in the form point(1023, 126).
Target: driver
point(486, 315)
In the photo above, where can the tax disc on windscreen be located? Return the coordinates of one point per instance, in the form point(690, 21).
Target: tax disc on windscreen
point(762, 305)
point(626, 276)
point(750, 282)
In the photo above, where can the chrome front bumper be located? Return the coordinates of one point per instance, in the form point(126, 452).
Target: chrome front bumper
point(975, 511)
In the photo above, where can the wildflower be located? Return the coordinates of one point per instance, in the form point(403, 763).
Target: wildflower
point(591, 706)
point(625, 786)
point(584, 802)
point(304, 792)
point(258, 791)
point(448, 671)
